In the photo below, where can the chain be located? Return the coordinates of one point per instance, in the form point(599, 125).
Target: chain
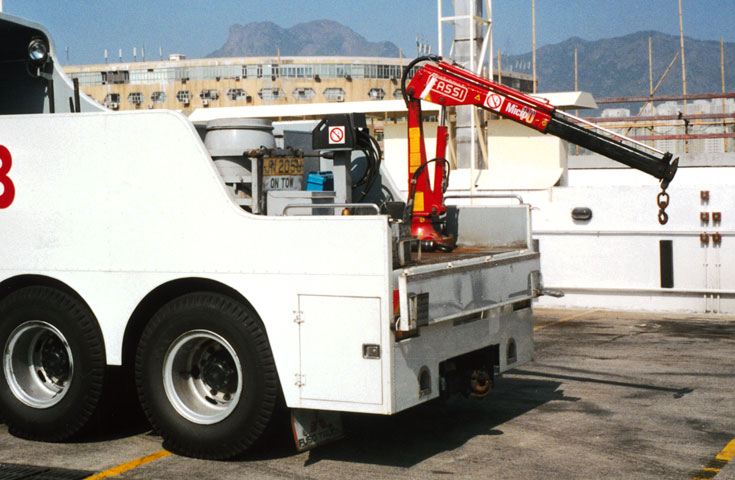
point(663, 201)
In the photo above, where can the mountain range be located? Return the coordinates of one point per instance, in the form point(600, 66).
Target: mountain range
point(616, 67)
point(316, 38)
point(609, 67)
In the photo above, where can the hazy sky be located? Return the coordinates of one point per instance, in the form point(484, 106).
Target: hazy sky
point(197, 27)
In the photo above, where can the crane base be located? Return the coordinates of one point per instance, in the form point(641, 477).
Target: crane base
point(430, 238)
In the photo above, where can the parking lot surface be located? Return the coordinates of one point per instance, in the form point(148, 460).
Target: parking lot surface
point(608, 395)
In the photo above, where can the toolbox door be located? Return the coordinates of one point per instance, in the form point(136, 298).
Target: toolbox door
point(340, 349)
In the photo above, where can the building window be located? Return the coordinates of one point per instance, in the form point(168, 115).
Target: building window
point(88, 78)
point(112, 100)
point(136, 98)
point(376, 94)
point(344, 71)
point(115, 77)
point(236, 94)
point(252, 71)
point(269, 94)
point(304, 93)
point(388, 71)
point(158, 97)
point(209, 94)
point(334, 94)
point(183, 96)
point(273, 71)
point(297, 71)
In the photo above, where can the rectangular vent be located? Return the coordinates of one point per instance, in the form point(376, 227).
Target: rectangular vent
point(418, 306)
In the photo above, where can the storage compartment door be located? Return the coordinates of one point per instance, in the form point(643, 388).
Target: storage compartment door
point(333, 333)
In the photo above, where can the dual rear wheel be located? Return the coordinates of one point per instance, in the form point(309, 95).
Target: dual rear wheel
point(204, 371)
point(206, 376)
point(53, 364)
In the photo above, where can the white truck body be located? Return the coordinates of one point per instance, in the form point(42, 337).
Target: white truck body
point(117, 205)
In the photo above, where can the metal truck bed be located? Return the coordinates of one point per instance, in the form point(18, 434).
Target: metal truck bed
point(493, 265)
point(471, 303)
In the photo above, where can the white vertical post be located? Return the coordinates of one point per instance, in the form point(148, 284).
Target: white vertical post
point(533, 46)
point(440, 48)
point(471, 52)
point(489, 35)
point(683, 72)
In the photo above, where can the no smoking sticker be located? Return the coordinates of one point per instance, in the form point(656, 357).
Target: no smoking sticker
point(336, 135)
point(493, 101)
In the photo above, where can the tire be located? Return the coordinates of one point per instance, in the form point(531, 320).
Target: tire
point(205, 376)
point(53, 364)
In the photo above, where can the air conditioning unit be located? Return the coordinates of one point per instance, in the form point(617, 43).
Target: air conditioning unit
point(205, 102)
point(340, 98)
point(113, 105)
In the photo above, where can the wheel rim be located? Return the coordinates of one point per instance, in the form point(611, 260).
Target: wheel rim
point(38, 364)
point(202, 377)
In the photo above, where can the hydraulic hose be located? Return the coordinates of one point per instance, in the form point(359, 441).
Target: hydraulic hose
point(407, 71)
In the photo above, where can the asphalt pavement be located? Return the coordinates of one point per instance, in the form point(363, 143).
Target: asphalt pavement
point(608, 395)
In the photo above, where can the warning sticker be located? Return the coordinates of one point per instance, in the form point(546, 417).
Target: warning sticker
point(493, 101)
point(336, 135)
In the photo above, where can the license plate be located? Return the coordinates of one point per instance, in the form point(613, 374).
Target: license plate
point(283, 166)
point(312, 428)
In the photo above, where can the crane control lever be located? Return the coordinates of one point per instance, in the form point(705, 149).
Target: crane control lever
point(448, 84)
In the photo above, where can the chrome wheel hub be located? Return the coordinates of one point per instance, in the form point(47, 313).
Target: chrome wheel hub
point(202, 377)
point(38, 364)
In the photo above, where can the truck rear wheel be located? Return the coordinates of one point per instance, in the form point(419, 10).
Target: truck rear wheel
point(53, 364)
point(206, 376)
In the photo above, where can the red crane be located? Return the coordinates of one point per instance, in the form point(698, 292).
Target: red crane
point(448, 84)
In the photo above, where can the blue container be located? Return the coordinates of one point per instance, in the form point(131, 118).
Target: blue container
point(320, 182)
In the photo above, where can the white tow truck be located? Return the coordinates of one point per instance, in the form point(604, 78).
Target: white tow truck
point(124, 244)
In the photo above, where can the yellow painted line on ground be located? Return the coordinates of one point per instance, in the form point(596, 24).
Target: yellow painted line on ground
point(130, 465)
point(539, 327)
point(718, 463)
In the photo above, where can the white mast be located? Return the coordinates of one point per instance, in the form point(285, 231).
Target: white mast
point(472, 47)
